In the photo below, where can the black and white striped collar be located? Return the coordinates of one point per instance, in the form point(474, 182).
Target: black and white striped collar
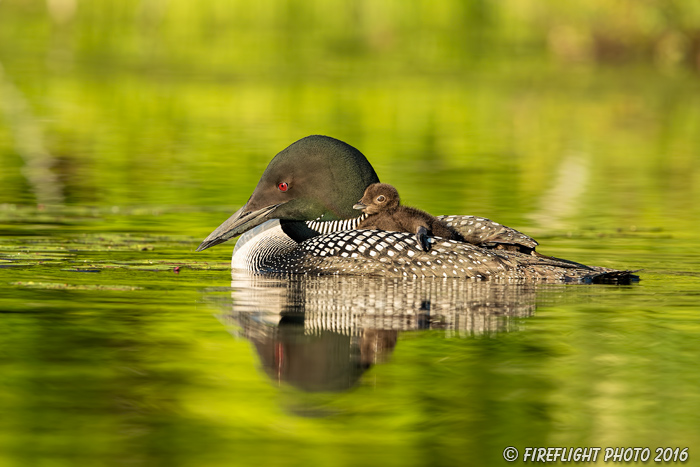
point(300, 231)
point(325, 227)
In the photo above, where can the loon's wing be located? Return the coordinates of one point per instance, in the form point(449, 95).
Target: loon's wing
point(485, 232)
point(268, 249)
point(397, 254)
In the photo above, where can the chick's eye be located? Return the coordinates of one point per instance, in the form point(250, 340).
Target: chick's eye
point(381, 198)
point(283, 186)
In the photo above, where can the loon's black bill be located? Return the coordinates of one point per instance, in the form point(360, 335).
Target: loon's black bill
point(240, 222)
point(359, 206)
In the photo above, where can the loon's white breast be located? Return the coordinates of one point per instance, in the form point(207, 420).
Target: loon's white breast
point(259, 244)
point(264, 248)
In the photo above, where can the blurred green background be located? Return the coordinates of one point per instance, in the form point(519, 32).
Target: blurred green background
point(130, 129)
point(466, 106)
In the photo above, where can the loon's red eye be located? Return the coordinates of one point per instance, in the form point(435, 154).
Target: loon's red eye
point(283, 186)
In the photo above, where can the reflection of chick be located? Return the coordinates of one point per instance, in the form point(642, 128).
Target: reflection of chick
point(382, 204)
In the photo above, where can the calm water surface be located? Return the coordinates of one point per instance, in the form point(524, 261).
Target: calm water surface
point(121, 346)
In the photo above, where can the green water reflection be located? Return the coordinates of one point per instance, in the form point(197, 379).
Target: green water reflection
point(131, 129)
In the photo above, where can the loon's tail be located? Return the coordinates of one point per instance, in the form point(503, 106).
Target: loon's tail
point(613, 277)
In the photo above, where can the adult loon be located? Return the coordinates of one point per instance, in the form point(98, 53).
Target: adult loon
point(300, 219)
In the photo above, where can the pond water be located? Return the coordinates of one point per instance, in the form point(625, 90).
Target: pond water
point(119, 345)
point(124, 348)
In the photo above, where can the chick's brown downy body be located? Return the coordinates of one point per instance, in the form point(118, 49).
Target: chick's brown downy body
point(382, 204)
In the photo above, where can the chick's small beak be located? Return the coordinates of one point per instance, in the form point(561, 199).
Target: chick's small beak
point(359, 206)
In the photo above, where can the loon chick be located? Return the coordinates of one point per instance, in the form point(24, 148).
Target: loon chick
point(300, 219)
point(382, 204)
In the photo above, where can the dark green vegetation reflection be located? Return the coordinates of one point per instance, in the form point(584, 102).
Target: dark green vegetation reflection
point(130, 129)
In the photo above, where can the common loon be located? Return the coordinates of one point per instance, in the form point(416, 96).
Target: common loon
point(382, 204)
point(300, 219)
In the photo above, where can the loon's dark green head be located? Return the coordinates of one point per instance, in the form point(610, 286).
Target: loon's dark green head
point(316, 176)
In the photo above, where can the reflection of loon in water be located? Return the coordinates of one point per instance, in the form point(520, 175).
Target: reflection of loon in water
point(322, 333)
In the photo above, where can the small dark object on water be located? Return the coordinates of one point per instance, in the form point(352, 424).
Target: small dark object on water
point(382, 204)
